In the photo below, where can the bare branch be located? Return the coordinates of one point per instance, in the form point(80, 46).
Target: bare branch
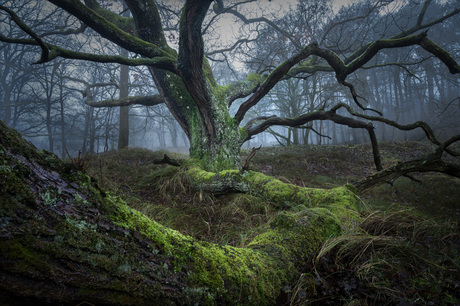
point(26, 29)
point(335, 24)
point(408, 32)
point(145, 100)
point(404, 127)
point(356, 96)
point(231, 48)
point(419, 165)
point(69, 31)
point(54, 52)
point(273, 79)
point(314, 131)
point(219, 8)
point(318, 115)
point(242, 89)
point(305, 118)
point(440, 53)
point(248, 159)
point(342, 70)
point(443, 146)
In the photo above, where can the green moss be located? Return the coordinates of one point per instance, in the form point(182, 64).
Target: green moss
point(341, 200)
point(243, 133)
point(97, 236)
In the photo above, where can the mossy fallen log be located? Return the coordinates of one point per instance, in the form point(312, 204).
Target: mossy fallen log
point(64, 240)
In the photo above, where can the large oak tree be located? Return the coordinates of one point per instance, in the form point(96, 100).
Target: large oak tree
point(66, 240)
point(185, 81)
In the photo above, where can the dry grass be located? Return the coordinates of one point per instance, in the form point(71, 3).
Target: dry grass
point(407, 249)
point(394, 257)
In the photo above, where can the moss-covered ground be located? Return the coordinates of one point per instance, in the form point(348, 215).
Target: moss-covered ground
point(60, 227)
point(406, 251)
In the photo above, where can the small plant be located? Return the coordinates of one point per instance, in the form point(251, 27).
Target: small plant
point(81, 161)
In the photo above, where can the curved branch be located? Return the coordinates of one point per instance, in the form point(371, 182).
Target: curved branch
point(124, 23)
point(443, 147)
point(276, 75)
point(440, 53)
point(242, 89)
point(318, 115)
point(356, 96)
point(69, 31)
point(342, 70)
point(233, 47)
point(110, 31)
point(419, 165)
point(331, 115)
point(146, 101)
point(404, 127)
point(408, 32)
point(166, 63)
point(30, 32)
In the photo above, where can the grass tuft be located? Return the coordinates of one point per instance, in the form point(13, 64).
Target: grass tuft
point(394, 257)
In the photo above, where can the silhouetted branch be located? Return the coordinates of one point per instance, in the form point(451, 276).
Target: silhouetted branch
point(30, 32)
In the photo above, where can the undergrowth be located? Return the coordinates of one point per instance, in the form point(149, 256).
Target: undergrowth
point(406, 251)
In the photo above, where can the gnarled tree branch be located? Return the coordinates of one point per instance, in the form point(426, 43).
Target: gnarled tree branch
point(342, 70)
point(318, 115)
point(419, 165)
point(110, 31)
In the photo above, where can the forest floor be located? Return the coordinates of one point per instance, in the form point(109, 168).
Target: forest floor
point(406, 251)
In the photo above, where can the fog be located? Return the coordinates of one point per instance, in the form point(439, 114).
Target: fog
point(47, 102)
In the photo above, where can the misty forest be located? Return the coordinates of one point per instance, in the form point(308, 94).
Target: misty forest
point(199, 152)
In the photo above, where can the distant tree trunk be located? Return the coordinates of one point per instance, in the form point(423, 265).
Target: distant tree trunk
point(173, 132)
point(93, 131)
point(88, 117)
point(49, 128)
point(123, 132)
point(6, 104)
point(62, 120)
point(295, 136)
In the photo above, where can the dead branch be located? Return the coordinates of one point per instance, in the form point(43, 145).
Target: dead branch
point(248, 159)
point(167, 160)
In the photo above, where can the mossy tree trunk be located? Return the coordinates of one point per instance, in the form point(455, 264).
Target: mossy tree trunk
point(192, 94)
point(64, 240)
